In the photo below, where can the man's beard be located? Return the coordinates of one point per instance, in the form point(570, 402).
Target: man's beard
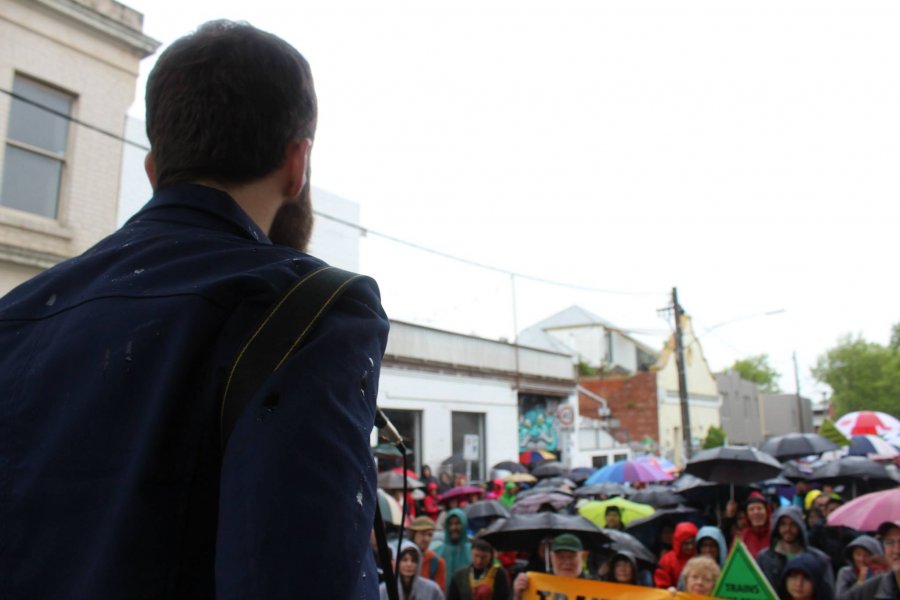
point(293, 223)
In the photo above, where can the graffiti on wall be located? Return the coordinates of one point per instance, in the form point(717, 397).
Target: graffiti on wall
point(538, 428)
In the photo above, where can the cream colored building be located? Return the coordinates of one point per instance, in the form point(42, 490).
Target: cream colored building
point(704, 401)
point(59, 168)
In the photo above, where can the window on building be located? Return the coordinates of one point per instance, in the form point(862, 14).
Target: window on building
point(409, 425)
point(599, 462)
point(464, 423)
point(35, 152)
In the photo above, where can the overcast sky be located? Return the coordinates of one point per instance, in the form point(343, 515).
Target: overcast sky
point(746, 152)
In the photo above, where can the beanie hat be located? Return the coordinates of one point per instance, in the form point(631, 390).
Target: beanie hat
point(810, 498)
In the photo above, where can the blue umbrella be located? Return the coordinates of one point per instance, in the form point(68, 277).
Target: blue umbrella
point(629, 470)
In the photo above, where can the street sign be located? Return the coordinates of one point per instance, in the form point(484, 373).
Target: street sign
point(470, 446)
point(566, 415)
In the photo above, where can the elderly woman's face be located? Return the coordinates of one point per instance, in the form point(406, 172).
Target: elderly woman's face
point(699, 582)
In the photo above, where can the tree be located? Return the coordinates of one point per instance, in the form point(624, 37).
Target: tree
point(862, 375)
point(715, 437)
point(757, 369)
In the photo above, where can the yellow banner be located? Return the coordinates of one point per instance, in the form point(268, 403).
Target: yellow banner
point(552, 587)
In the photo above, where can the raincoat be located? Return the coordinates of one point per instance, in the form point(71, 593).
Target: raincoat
point(456, 555)
point(114, 484)
point(757, 538)
point(716, 534)
point(672, 562)
point(814, 569)
point(847, 577)
point(509, 496)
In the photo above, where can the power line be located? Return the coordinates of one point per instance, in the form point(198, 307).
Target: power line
point(473, 263)
point(72, 119)
point(363, 230)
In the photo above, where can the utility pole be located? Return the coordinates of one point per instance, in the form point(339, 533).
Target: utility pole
point(800, 424)
point(682, 379)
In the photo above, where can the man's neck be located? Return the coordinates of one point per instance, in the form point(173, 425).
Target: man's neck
point(787, 549)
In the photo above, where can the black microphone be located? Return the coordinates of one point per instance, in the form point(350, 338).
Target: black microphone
point(387, 428)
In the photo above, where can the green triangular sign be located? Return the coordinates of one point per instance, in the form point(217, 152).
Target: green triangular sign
point(828, 430)
point(741, 578)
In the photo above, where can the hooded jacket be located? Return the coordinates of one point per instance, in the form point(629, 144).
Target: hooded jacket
point(456, 555)
point(630, 558)
point(672, 562)
point(757, 538)
point(714, 533)
point(508, 498)
point(772, 562)
point(814, 568)
point(847, 577)
point(421, 588)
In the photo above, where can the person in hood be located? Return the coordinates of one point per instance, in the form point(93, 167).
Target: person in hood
point(711, 543)
point(433, 566)
point(672, 562)
point(457, 549)
point(787, 540)
point(804, 578)
point(410, 585)
point(623, 568)
point(864, 555)
point(510, 490)
point(757, 534)
point(887, 585)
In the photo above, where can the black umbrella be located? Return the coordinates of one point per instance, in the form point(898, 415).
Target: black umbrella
point(646, 529)
point(622, 540)
point(553, 500)
point(555, 482)
point(797, 445)
point(607, 488)
point(579, 474)
point(795, 473)
point(512, 467)
point(739, 465)
point(525, 532)
point(701, 492)
point(544, 490)
point(486, 508)
point(861, 474)
point(656, 495)
point(550, 468)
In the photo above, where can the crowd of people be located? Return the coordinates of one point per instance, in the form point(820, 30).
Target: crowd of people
point(798, 553)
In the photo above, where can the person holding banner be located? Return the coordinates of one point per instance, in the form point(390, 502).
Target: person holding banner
point(566, 554)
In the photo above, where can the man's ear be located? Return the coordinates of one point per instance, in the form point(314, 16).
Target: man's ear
point(297, 166)
point(150, 169)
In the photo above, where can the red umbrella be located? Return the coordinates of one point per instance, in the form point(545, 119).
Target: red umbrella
point(867, 422)
point(869, 511)
point(462, 491)
point(532, 457)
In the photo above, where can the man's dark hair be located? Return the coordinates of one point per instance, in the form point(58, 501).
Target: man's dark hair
point(479, 544)
point(224, 102)
point(614, 509)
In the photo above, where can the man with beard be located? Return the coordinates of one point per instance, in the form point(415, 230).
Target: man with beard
point(788, 539)
point(119, 475)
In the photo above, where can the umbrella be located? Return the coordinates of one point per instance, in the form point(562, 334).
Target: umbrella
point(595, 510)
point(629, 470)
point(869, 511)
point(796, 472)
point(797, 445)
point(656, 495)
point(733, 465)
point(854, 470)
point(867, 422)
point(700, 491)
point(525, 532)
point(390, 508)
point(665, 464)
point(462, 491)
point(520, 478)
point(508, 465)
point(579, 474)
point(533, 503)
point(622, 540)
point(533, 457)
point(647, 529)
point(864, 445)
point(555, 482)
point(385, 450)
point(601, 489)
point(486, 508)
point(550, 468)
point(392, 480)
point(537, 490)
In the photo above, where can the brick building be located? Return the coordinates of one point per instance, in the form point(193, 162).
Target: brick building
point(60, 167)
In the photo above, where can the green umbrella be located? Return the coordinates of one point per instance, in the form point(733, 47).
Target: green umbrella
point(595, 510)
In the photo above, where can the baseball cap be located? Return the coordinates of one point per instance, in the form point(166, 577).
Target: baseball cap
point(566, 541)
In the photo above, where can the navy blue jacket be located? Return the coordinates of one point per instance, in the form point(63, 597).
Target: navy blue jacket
point(112, 482)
